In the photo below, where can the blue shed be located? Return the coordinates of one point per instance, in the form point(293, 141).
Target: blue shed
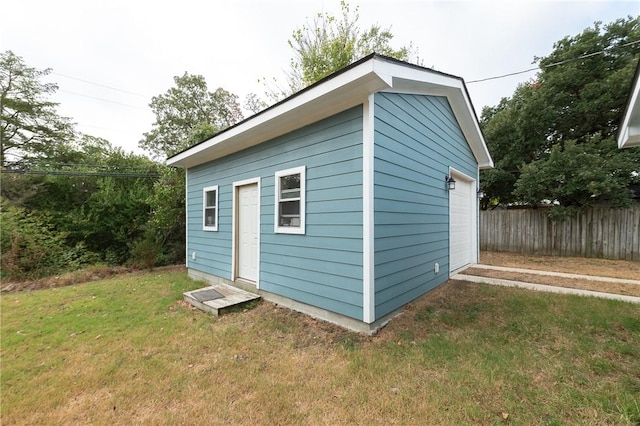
point(336, 201)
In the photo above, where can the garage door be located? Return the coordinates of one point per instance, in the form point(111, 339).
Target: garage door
point(462, 224)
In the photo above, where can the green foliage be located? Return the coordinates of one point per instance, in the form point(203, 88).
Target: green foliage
point(183, 110)
point(254, 104)
point(93, 210)
point(31, 248)
point(145, 251)
point(579, 176)
point(81, 200)
point(328, 44)
point(168, 221)
point(570, 111)
point(29, 124)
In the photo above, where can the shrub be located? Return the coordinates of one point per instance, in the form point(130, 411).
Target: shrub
point(30, 247)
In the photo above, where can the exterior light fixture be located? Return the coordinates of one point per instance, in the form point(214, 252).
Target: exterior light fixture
point(480, 194)
point(450, 182)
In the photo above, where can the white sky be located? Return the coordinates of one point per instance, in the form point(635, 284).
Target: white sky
point(139, 46)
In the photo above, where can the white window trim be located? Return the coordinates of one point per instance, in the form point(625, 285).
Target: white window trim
point(303, 201)
point(204, 207)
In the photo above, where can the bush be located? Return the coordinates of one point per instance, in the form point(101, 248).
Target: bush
point(30, 247)
point(145, 252)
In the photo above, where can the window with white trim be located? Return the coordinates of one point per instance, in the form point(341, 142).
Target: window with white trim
point(290, 201)
point(210, 208)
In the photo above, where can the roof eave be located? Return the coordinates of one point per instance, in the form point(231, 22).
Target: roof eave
point(629, 131)
point(339, 92)
point(334, 95)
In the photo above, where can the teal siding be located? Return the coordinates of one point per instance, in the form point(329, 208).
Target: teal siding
point(416, 140)
point(321, 268)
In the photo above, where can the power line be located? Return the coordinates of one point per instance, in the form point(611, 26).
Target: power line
point(101, 85)
point(79, 173)
point(502, 76)
point(109, 129)
point(103, 100)
point(91, 166)
point(588, 55)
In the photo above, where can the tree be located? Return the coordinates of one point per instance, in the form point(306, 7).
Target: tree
point(30, 127)
point(254, 104)
point(90, 201)
point(185, 108)
point(167, 221)
point(581, 175)
point(328, 44)
point(570, 111)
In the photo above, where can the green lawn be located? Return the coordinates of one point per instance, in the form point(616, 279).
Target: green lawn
point(126, 351)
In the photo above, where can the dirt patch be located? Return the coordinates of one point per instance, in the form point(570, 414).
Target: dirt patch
point(75, 277)
point(582, 284)
point(573, 265)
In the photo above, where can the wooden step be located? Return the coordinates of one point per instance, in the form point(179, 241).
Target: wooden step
point(231, 297)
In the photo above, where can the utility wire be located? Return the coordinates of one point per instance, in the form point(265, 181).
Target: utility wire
point(101, 85)
point(78, 173)
point(588, 55)
point(91, 166)
point(103, 100)
point(109, 129)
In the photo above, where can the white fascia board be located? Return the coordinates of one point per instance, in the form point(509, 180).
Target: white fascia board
point(463, 111)
point(337, 94)
point(630, 131)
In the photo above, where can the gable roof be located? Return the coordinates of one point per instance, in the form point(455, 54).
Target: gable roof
point(629, 131)
point(338, 92)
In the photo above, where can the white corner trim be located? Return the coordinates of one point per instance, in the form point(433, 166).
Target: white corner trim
point(186, 218)
point(368, 272)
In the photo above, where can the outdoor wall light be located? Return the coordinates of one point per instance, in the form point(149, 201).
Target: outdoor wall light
point(480, 194)
point(450, 182)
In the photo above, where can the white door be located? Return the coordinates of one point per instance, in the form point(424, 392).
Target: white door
point(247, 220)
point(461, 222)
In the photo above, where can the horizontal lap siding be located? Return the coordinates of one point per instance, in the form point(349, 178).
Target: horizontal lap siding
point(416, 140)
point(323, 267)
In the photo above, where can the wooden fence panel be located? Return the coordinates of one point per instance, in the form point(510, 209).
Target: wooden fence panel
point(598, 232)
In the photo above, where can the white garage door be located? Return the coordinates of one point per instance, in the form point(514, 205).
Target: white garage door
point(462, 225)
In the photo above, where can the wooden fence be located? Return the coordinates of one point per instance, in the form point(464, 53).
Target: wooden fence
point(598, 232)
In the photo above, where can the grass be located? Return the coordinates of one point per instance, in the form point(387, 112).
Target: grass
point(126, 350)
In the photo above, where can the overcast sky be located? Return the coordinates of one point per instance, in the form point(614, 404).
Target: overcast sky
point(138, 47)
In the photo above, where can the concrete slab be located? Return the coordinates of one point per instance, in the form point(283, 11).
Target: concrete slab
point(558, 274)
point(546, 288)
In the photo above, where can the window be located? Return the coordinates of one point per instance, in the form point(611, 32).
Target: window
point(290, 201)
point(210, 208)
